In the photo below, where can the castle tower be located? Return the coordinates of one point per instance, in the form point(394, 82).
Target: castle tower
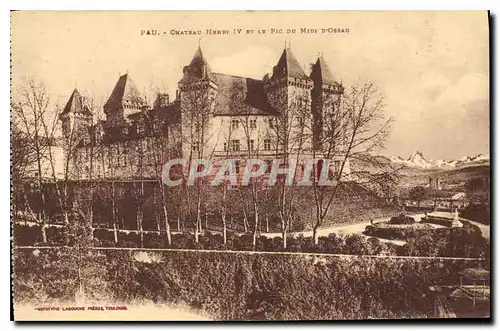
point(125, 100)
point(76, 118)
point(198, 89)
point(326, 96)
point(288, 90)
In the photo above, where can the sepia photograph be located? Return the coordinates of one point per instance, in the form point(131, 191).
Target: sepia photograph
point(250, 165)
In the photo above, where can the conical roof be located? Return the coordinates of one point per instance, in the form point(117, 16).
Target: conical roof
point(198, 68)
point(288, 66)
point(125, 93)
point(76, 105)
point(322, 73)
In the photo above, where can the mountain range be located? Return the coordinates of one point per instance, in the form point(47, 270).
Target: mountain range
point(417, 160)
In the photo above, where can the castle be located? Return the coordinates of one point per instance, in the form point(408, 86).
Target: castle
point(213, 115)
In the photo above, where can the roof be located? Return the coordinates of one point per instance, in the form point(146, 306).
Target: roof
point(322, 73)
point(240, 96)
point(476, 273)
point(125, 92)
point(76, 104)
point(288, 66)
point(198, 68)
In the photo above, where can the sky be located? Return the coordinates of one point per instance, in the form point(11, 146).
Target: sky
point(433, 67)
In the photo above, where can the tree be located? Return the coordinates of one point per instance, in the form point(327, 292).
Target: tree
point(352, 128)
point(197, 139)
point(292, 138)
point(478, 190)
point(418, 194)
point(31, 113)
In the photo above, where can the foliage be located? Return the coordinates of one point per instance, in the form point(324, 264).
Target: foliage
point(402, 219)
point(417, 193)
point(245, 286)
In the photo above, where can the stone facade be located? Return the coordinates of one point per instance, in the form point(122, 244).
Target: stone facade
point(214, 115)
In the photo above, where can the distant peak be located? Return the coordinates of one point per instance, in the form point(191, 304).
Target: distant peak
point(416, 154)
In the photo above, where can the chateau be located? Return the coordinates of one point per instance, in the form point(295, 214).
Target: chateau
point(213, 115)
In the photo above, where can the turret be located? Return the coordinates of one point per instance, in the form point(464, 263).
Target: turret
point(198, 89)
point(125, 100)
point(325, 95)
point(288, 90)
point(75, 118)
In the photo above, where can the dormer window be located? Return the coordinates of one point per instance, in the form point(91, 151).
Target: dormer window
point(125, 131)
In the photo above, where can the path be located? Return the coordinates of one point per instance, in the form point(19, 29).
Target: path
point(356, 228)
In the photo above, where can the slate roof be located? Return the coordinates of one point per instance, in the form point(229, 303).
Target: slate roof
point(198, 68)
point(125, 92)
point(322, 73)
point(288, 66)
point(240, 96)
point(76, 105)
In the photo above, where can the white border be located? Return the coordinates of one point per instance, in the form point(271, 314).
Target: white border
point(191, 5)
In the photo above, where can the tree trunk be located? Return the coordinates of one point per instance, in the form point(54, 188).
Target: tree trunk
point(198, 222)
point(224, 225)
point(245, 221)
point(315, 235)
point(196, 235)
point(256, 227)
point(178, 224)
point(267, 224)
point(113, 213)
point(224, 228)
point(167, 226)
point(206, 219)
point(44, 233)
point(283, 235)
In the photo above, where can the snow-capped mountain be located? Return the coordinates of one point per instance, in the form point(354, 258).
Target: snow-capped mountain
point(417, 160)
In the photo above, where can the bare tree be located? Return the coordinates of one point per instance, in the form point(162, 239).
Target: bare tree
point(353, 128)
point(32, 114)
point(198, 138)
point(292, 142)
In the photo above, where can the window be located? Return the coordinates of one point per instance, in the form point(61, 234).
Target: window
point(300, 120)
point(195, 147)
point(251, 143)
point(267, 144)
point(225, 147)
point(253, 124)
point(235, 145)
point(234, 124)
point(271, 122)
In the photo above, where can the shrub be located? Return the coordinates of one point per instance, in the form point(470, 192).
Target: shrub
point(402, 219)
point(438, 221)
